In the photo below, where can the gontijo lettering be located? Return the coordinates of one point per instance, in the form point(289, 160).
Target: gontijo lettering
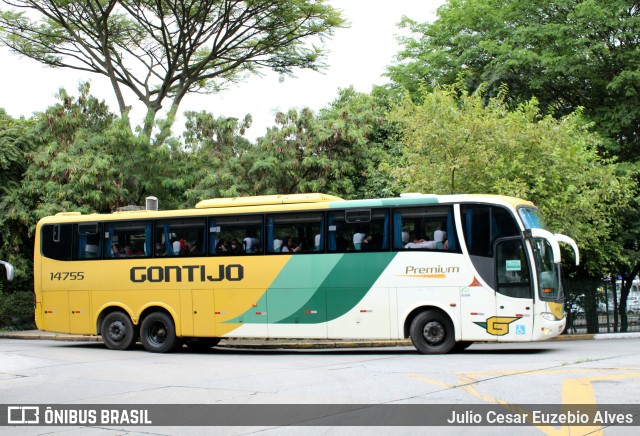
point(188, 273)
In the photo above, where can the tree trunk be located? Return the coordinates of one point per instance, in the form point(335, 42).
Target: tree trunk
point(627, 282)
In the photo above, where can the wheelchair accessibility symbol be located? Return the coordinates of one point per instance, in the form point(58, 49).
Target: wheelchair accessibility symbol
point(520, 330)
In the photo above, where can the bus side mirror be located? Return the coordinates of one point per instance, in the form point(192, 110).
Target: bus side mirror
point(572, 243)
point(9, 269)
point(544, 234)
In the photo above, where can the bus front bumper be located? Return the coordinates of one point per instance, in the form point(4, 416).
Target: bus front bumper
point(547, 329)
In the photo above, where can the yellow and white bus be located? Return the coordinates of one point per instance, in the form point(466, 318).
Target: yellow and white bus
point(444, 271)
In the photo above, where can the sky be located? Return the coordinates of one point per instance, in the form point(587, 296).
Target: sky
point(358, 57)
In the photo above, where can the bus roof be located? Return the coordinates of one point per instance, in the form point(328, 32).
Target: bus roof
point(290, 202)
point(263, 200)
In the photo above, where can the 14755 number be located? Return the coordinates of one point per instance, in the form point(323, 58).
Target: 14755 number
point(67, 276)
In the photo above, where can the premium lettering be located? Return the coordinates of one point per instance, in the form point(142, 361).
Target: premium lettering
point(432, 269)
point(186, 273)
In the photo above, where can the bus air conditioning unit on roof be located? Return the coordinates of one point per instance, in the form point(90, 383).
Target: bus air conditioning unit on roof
point(151, 203)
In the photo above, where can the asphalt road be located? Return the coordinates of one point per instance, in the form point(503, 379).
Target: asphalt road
point(557, 372)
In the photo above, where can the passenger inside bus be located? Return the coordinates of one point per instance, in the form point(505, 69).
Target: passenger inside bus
point(369, 244)
point(357, 240)
point(420, 243)
point(223, 247)
point(440, 238)
point(235, 248)
point(291, 247)
point(277, 245)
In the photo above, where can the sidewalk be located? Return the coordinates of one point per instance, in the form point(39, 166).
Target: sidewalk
point(294, 343)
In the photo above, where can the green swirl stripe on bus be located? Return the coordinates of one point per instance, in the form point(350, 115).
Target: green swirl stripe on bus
point(310, 292)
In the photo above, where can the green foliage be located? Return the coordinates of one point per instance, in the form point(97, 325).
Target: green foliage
point(338, 150)
point(458, 142)
point(213, 162)
point(16, 143)
point(568, 54)
point(16, 310)
point(81, 162)
point(333, 151)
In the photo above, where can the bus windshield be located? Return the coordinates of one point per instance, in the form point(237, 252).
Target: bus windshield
point(548, 271)
point(531, 218)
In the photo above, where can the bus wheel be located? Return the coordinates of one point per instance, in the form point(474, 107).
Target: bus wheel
point(432, 332)
point(461, 346)
point(118, 332)
point(201, 344)
point(158, 333)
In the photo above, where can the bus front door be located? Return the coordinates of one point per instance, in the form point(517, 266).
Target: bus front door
point(514, 297)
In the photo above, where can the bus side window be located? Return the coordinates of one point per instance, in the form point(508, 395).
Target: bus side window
point(126, 239)
point(235, 235)
point(56, 241)
point(88, 242)
point(358, 230)
point(305, 229)
point(180, 237)
point(424, 228)
point(483, 225)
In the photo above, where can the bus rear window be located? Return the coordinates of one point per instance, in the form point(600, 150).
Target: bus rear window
point(56, 240)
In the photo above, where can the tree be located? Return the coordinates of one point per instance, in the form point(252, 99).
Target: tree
point(213, 162)
point(457, 142)
point(334, 151)
point(337, 150)
point(16, 143)
point(162, 49)
point(567, 54)
point(85, 160)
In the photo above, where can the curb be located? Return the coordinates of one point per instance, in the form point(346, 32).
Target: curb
point(292, 343)
point(49, 336)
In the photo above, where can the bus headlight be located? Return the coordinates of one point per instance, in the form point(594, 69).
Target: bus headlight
point(549, 316)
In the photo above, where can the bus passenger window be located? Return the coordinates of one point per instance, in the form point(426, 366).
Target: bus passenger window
point(180, 237)
point(235, 235)
point(295, 232)
point(424, 228)
point(126, 239)
point(358, 230)
point(87, 241)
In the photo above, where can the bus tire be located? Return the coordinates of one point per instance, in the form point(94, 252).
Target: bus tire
point(117, 331)
point(158, 333)
point(461, 346)
point(432, 332)
point(201, 344)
